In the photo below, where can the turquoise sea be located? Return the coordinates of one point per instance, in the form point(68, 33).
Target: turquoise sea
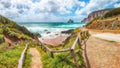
point(53, 27)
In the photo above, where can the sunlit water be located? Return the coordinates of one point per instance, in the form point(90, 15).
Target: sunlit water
point(50, 29)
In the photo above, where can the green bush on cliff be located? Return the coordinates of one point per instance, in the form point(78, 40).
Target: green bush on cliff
point(112, 12)
point(1, 38)
point(92, 21)
point(14, 33)
point(5, 22)
point(14, 30)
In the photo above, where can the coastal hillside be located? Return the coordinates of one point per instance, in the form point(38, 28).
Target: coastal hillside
point(13, 39)
point(95, 14)
point(109, 21)
point(11, 32)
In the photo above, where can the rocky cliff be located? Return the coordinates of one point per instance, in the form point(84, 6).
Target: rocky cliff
point(109, 21)
point(95, 14)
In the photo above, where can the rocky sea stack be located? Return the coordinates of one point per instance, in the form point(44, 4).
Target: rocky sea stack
point(70, 21)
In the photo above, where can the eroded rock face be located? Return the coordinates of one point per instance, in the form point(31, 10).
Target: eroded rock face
point(95, 14)
point(68, 31)
point(105, 25)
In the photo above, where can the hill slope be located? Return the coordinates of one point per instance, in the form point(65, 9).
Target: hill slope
point(109, 21)
point(11, 32)
point(95, 14)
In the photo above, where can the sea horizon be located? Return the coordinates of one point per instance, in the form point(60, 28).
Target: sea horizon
point(47, 29)
point(50, 22)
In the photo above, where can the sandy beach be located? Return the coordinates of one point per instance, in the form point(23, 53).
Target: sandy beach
point(55, 41)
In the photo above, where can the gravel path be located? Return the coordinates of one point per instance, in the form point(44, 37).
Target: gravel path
point(103, 54)
point(36, 62)
point(108, 36)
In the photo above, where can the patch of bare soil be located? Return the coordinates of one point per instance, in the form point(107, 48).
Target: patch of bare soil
point(36, 62)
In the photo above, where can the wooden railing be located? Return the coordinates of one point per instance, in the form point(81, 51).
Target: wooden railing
point(78, 40)
point(21, 60)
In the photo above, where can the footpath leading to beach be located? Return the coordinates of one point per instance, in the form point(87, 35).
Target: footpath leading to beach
point(102, 51)
point(36, 61)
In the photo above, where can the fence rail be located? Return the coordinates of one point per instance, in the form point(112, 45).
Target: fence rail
point(78, 40)
point(21, 60)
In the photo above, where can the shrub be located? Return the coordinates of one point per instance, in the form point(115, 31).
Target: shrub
point(9, 57)
point(97, 18)
point(59, 61)
point(27, 60)
point(6, 23)
point(1, 38)
point(112, 12)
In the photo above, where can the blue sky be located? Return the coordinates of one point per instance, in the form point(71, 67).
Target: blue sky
point(52, 10)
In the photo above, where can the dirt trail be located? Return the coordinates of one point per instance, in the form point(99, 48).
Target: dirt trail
point(36, 62)
point(108, 36)
point(103, 54)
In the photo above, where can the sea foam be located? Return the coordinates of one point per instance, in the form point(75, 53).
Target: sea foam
point(51, 30)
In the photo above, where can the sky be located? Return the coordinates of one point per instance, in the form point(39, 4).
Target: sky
point(52, 10)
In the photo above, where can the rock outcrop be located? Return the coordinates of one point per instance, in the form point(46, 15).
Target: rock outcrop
point(70, 21)
point(105, 25)
point(68, 31)
point(95, 14)
point(109, 21)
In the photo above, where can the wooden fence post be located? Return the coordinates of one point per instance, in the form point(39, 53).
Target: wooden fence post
point(87, 64)
point(52, 54)
point(79, 41)
point(75, 58)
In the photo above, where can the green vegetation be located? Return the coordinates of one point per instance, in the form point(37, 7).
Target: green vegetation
point(9, 56)
point(97, 18)
point(1, 38)
point(7, 24)
point(59, 60)
point(27, 60)
point(13, 31)
point(112, 12)
point(109, 21)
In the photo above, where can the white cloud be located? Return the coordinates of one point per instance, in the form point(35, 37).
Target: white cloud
point(117, 5)
point(50, 10)
point(95, 5)
point(31, 10)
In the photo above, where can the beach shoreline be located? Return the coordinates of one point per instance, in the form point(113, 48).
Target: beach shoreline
point(55, 41)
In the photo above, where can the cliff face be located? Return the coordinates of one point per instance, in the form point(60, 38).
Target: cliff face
point(109, 21)
point(105, 24)
point(95, 14)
